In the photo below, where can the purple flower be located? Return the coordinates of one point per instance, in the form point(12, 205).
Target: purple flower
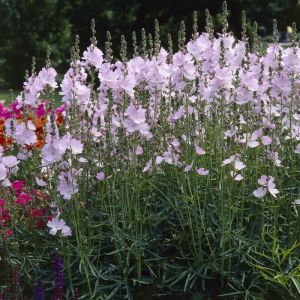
point(59, 278)
point(38, 292)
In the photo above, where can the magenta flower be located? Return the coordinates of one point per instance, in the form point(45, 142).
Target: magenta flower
point(18, 185)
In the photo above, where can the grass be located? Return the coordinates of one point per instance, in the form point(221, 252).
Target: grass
point(4, 94)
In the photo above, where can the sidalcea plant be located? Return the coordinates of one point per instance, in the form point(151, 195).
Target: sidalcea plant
point(168, 172)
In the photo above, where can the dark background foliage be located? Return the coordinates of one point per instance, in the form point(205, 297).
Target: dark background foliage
point(27, 27)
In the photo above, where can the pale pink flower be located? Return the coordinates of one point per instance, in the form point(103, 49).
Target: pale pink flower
point(188, 167)
point(199, 150)
point(202, 171)
point(263, 180)
point(266, 140)
point(260, 192)
point(148, 166)
point(139, 150)
point(272, 187)
point(40, 182)
point(238, 165)
point(252, 143)
point(238, 177)
point(47, 77)
point(100, 176)
point(93, 56)
point(3, 171)
point(57, 224)
point(10, 161)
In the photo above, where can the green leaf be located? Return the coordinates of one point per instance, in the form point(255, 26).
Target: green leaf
point(296, 283)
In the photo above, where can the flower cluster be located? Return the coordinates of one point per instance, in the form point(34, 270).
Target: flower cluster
point(155, 156)
point(167, 104)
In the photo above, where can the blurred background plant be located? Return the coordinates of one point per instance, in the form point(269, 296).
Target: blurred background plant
point(27, 27)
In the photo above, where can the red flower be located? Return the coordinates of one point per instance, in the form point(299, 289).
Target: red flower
point(23, 198)
point(4, 216)
point(9, 232)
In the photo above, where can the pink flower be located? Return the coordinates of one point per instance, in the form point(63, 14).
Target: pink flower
point(10, 161)
point(297, 149)
point(202, 171)
point(9, 232)
point(18, 185)
point(57, 224)
point(252, 143)
point(238, 165)
point(268, 182)
point(100, 176)
point(139, 150)
point(266, 140)
point(40, 182)
point(260, 192)
point(188, 167)
point(93, 56)
point(47, 77)
point(199, 150)
point(148, 166)
point(23, 198)
point(68, 185)
point(263, 180)
point(272, 187)
point(238, 177)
